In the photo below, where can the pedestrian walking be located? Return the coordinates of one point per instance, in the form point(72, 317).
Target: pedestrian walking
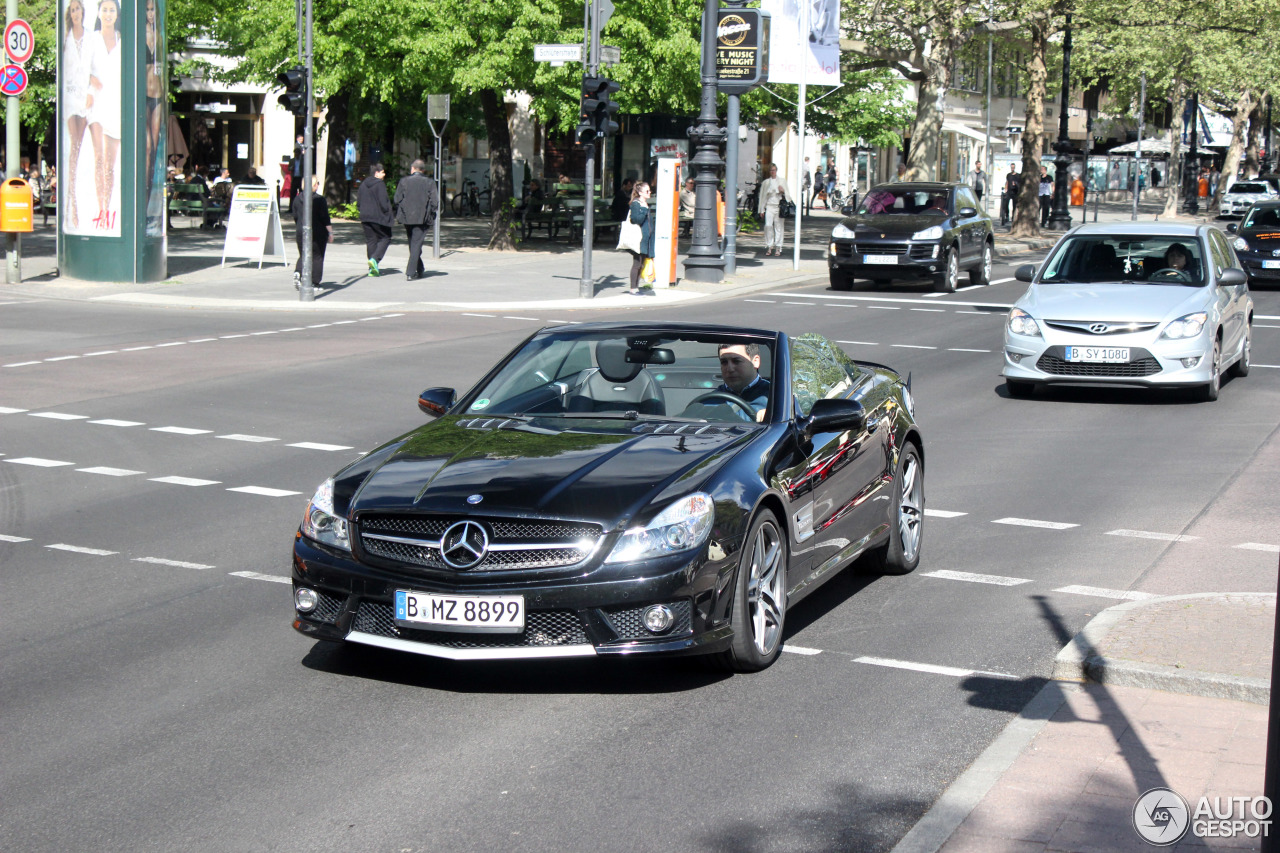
point(819, 189)
point(375, 216)
point(321, 236)
point(831, 182)
point(902, 172)
point(1009, 194)
point(773, 192)
point(807, 189)
point(295, 171)
point(978, 180)
point(416, 209)
point(1046, 196)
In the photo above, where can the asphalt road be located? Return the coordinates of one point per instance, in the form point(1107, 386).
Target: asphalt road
point(154, 465)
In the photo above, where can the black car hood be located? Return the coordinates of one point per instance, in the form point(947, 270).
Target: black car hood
point(604, 471)
point(897, 224)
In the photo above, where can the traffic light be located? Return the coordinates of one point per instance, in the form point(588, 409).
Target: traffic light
point(596, 118)
point(294, 98)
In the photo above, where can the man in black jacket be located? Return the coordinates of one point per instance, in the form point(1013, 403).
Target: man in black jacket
point(416, 207)
point(375, 216)
point(321, 235)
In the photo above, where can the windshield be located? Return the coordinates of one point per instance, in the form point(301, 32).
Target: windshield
point(1243, 187)
point(888, 201)
point(1262, 217)
point(1126, 258)
point(632, 374)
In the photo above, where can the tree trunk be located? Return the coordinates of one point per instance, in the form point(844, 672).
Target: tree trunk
point(926, 132)
point(337, 110)
point(1026, 217)
point(500, 188)
point(1253, 151)
point(1174, 179)
point(1239, 125)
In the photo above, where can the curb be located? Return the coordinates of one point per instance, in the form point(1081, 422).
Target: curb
point(1079, 660)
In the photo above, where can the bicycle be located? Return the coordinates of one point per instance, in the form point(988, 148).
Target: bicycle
point(467, 201)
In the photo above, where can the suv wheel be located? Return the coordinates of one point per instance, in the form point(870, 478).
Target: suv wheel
point(980, 276)
point(947, 280)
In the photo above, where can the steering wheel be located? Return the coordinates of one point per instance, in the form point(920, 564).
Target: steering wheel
point(726, 397)
point(1171, 274)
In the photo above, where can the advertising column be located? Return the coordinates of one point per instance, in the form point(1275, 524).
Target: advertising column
point(112, 120)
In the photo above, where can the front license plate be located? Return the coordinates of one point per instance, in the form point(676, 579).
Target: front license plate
point(480, 614)
point(1271, 265)
point(1099, 355)
point(879, 259)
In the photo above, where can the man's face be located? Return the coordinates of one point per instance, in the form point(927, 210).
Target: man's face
point(738, 369)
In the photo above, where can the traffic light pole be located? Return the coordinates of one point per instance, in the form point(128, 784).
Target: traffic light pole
point(587, 285)
point(306, 292)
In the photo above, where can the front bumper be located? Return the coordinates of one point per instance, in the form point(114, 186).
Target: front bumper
point(1153, 362)
point(912, 259)
point(1253, 266)
point(563, 618)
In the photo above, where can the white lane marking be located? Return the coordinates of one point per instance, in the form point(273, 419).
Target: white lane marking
point(910, 346)
point(885, 307)
point(23, 363)
point(981, 314)
point(831, 305)
point(900, 300)
point(343, 322)
point(184, 481)
point(115, 423)
point(1256, 365)
point(179, 564)
point(263, 490)
point(534, 319)
point(235, 436)
point(101, 352)
point(797, 303)
point(767, 301)
point(172, 344)
point(270, 332)
point(5, 410)
point(1031, 522)
point(1147, 534)
point(1100, 592)
point(136, 349)
point(230, 337)
point(933, 669)
point(36, 461)
point(62, 358)
point(58, 416)
point(201, 340)
point(258, 576)
point(294, 329)
point(931, 310)
point(963, 349)
point(181, 430)
point(943, 513)
point(1000, 280)
point(800, 650)
point(563, 321)
point(97, 552)
point(319, 326)
point(971, 577)
point(466, 314)
point(860, 343)
point(392, 315)
point(1259, 546)
point(110, 472)
point(4, 537)
point(312, 445)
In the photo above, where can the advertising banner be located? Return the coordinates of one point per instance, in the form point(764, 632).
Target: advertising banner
point(666, 195)
point(804, 33)
point(253, 226)
point(742, 56)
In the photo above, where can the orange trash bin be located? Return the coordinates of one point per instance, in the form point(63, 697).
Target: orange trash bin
point(16, 206)
point(1077, 193)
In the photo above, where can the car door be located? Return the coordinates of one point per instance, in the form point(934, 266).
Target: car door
point(970, 229)
point(839, 473)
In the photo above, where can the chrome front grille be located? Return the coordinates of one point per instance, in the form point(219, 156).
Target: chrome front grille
point(512, 543)
point(1100, 327)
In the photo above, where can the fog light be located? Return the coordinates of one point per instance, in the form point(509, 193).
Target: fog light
point(305, 599)
point(935, 250)
point(1191, 362)
point(832, 249)
point(1015, 357)
point(658, 619)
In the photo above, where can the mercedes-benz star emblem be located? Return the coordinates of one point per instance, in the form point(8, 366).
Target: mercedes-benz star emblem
point(1099, 328)
point(464, 544)
point(474, 499)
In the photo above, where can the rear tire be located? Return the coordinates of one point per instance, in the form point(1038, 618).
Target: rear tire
point(759, 609)
point(1018, 388)
point(980, 276)
point(906, 521)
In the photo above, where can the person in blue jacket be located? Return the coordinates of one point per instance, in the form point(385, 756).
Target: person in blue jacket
point(639, 215)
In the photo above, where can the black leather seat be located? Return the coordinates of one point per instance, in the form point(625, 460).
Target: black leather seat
point(1103, 264)
point(616, 386)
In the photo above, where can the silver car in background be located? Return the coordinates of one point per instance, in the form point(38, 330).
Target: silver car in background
point(1241, 195)
point(1147, 304)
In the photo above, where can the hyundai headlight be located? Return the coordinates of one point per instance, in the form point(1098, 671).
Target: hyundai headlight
point(1185, 327)
point(321, 523)
point(680, 527)
point(1241, 244)
point(842, 233)
point(1022, 323)
point(932, 233)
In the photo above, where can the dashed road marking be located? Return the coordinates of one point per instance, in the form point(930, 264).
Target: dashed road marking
point(5, 410)
point(23, 363)
point(1259, 546)
point(62, 358)
point(1147, 534)
point(1031, 522)
point(136, 349)
point(110, 472)
point(312, 445)
point(860, 343)
point(179, 564)
point(115, 423)
point(965, 349)
point(235, 436)
point(172, 344)
point(177, 430)
point(36, 461)
point(943, 513)
point(4, 537)
point(258, 576)
point(911, 346)
point(766, 301)
point(77, 549)
point(58, 416)
point(800, 650)
point(264, 491)
point(931, 310)
point(933, 669)
point(184, 481)
point(1101, 592)
point(101, 352)
point(467, 314)
point(971, 577)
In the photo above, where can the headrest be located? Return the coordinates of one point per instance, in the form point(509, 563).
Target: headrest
point(611, 355)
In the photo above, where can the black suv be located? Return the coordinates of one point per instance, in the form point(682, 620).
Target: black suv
point(1257, 242)
point(911, 231)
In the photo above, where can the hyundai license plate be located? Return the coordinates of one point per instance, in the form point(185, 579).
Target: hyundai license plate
point(481, 614)
point(879, 259)
point(1099, 355)
point(1271, 265)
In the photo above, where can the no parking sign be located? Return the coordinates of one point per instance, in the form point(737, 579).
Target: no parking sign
point(13, 80)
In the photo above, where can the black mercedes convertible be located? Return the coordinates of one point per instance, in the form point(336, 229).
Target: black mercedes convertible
point(615, 489)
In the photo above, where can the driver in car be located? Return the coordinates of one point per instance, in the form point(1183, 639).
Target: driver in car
point(1176, 257)
point(740, 368)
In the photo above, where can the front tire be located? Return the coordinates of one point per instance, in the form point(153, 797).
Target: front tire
point(760, 598)
point(980, 276)
point(841, 280)
point(1241, 367)
point(1209, 391)
point(950, 276)
point(906, 522)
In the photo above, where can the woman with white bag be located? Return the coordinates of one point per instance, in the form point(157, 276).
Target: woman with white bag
point(635, 234)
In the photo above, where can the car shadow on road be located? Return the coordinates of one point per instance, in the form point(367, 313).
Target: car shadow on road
point(1110, 395)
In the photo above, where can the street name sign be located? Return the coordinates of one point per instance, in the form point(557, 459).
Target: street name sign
point(557, 53)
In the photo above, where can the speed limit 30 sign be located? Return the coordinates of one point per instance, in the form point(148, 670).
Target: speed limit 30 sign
point(19, 44)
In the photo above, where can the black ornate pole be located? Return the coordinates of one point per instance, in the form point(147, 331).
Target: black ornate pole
point(1060, 216)
point(705, 262)
point(1192, 179)
point(1267, 159)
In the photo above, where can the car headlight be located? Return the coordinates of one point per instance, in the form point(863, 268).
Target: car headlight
point(1185, 327)
point(321, 523)
point(1241, 244)
point(1022, 323)
point(680, 527)
point(933, 233)
point(843, 233)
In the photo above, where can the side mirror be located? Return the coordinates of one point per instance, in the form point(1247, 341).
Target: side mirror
point(1233, 228)
point(848, 210)
point(1232, 277)
point(436, 401)
point(966, 212)
point(835, 415)
point(1026, 272)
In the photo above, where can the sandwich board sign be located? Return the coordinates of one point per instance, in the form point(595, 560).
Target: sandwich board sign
point(253, 226)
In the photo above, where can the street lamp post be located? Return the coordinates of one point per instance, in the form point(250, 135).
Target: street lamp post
point(705, 261)
point(1060, 216)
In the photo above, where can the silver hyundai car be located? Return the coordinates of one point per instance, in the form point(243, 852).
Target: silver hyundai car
point(1147, 304)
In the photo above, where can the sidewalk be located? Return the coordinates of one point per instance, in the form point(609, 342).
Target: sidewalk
point(466, 276)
